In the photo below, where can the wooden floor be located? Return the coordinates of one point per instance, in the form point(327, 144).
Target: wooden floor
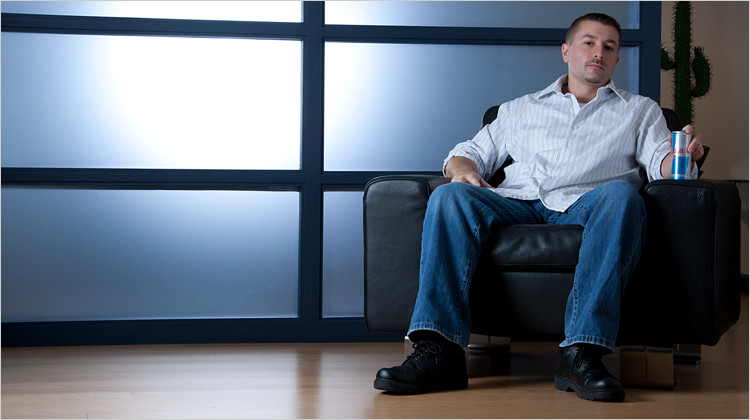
point(335, 381)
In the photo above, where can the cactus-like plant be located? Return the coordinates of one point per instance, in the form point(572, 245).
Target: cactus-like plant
point(692, 70)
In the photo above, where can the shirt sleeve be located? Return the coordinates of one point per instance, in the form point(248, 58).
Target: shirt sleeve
point(488, 147)
point(653, 140)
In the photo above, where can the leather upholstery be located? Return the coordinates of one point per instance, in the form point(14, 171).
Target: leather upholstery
point(534, 248)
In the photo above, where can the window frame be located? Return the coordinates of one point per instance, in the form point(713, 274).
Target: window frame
point(311, 181)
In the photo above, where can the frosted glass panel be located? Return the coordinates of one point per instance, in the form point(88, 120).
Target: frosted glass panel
point(279, 11)
point(343, 255)
point(395, 107)
point(150, 102)
point(71, 255)
point(492, 14)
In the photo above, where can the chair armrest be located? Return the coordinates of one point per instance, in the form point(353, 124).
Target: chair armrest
point(690, 267)
point(394, 208)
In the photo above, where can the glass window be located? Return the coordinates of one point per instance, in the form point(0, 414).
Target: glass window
point(492, 14)
point(377, 97)
point(150, 102)
point(343, 255)
point(264, 11)
point(71, 255)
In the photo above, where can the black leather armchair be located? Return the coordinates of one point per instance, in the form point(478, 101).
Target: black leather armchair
point(686, 289)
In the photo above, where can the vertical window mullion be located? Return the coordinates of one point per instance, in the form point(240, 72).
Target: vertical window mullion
point(311, 195)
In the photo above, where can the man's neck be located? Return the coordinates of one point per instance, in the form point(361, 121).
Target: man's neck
point(584, 93)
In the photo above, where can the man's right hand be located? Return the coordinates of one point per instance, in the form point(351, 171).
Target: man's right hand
point(461, 169)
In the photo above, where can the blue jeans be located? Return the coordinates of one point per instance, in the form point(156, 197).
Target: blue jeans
point(458, 220)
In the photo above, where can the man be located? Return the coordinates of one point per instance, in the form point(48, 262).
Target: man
point(579, 148)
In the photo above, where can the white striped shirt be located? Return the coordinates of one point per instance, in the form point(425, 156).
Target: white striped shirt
point(562, 149)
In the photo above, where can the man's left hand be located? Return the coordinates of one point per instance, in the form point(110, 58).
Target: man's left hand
point(695, 148)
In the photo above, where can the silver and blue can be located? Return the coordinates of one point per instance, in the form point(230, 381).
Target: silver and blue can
point(680, 156)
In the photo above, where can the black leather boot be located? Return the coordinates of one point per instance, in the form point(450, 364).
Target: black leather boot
point(435, 365)
point(580, 369)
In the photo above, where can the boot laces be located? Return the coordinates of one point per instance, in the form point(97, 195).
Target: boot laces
point(423, 349)
point(589, 357)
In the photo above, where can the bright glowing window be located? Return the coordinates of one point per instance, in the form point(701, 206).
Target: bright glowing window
point(264, 11)
point(392, 107)
point(491, 14)
point(150, 102)
point(72, 255)
point(343, 251)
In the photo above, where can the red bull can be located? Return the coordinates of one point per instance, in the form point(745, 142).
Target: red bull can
point(681, 158)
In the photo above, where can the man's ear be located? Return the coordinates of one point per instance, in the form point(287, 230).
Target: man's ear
point(565, 49)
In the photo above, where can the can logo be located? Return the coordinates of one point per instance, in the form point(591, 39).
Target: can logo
point(681, 158)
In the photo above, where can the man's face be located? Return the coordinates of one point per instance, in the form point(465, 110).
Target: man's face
point(592, 54)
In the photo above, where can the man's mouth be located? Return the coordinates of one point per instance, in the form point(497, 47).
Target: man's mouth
point(596, 64)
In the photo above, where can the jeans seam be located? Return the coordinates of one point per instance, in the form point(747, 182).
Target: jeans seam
point(574, 292)
point(461, 297)
point(632, 254)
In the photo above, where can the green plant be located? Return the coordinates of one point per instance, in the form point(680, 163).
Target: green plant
point(692, 70)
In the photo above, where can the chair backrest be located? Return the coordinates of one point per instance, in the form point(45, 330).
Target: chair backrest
point(673, 121)
point(490, 115)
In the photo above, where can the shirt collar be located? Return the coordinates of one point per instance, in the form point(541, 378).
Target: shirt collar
point(557, 85)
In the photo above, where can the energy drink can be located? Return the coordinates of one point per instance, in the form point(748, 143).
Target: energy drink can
point(680, 156)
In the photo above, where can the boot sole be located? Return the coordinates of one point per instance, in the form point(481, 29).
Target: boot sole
point(402, 388)
point(607, 394)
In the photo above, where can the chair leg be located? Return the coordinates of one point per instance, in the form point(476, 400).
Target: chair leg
point(484, 344)
point(687, 353)
point(644, 366)
point(488, 356)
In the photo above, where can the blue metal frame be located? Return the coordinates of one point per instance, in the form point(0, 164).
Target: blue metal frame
point(311, 180)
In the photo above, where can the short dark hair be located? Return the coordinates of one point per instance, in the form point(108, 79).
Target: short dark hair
point(596, 17)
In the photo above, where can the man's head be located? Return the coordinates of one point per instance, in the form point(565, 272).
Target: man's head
point(594, 17)
point(591, 50)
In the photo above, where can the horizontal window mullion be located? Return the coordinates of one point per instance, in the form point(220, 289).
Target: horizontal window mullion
point(97, 25)
point(331, 180)
point(424, 34)
point(190, 178)
point(15, 22)
point(456, 35)
point(156, 178)
point(27, 334)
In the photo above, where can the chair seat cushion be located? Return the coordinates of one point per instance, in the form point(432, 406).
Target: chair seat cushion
point(533, 248)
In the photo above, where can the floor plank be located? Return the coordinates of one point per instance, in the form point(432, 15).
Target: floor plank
point(335, 381)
